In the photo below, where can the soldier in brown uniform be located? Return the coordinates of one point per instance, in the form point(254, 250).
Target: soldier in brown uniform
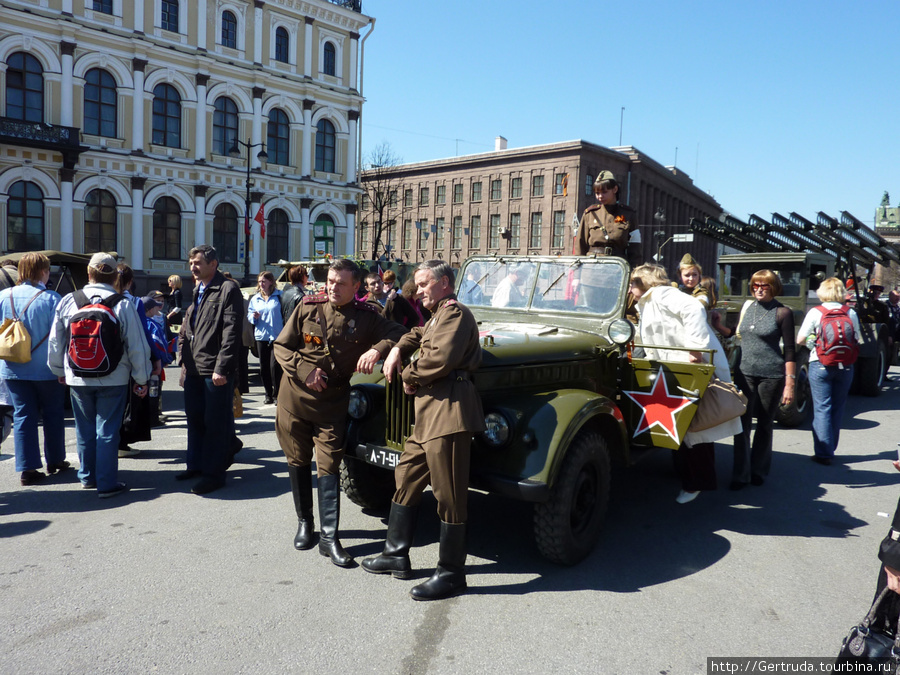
point(608, 227)
point(327, 337)
point(448, 412)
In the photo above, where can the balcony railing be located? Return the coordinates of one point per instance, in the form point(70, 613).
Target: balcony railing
point(355, 5)
point(66, 140)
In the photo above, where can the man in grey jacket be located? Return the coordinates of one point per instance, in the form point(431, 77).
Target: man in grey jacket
point(98, 401)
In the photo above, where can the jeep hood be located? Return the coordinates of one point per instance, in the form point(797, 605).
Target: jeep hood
point(509, 343)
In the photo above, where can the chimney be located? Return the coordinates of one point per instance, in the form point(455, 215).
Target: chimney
point(499, 144)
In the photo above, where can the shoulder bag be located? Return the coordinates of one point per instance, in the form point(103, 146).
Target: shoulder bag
point(721, 402)
point(866, 646)
point(15, 340)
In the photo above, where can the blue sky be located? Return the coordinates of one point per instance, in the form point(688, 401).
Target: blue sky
point(772, 106)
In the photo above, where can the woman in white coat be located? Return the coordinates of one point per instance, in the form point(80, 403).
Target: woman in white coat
point(670, 317)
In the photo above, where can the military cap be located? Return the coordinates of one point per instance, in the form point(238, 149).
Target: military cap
point(688, 261)
point(604, 176)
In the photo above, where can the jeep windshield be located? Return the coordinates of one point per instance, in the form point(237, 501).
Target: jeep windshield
point(561, 284)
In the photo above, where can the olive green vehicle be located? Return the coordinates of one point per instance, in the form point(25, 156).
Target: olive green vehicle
point(561, 395)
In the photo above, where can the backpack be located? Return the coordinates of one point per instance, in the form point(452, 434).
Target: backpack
point(94, 336)
point(15, 340)
point(836, 339)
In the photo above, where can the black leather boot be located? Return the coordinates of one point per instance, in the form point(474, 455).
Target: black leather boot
point(395, 557)
point(301, 488)
point(449, 578)
point(329, 517)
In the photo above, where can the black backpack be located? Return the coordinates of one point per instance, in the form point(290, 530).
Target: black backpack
point(95, 336)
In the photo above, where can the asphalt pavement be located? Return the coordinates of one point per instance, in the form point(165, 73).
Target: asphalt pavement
point(161, 580)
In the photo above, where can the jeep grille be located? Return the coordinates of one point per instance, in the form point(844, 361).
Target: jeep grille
point(399, 414)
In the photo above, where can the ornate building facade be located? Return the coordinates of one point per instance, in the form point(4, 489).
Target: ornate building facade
point(525, 201)
point(129, 125)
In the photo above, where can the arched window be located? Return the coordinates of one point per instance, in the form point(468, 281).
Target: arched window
point(100, 222)
point(225, 233)
point(167, 229)
point(225, 125)
point(279, 137)
point(100, 100)
point(25, 217)
point(282, 45)
point(277, 229)
point(24, 88)
point(169, 18)
point(329, 59)
point(229, 29)
point(325, 144)
point(166, 116)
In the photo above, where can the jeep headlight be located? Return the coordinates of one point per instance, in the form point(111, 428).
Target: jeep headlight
point(359, 404)
point(621, 331)
point(497, 432)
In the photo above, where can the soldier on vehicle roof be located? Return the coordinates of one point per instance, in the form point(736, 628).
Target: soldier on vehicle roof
point(609, 227)
point(327, 338)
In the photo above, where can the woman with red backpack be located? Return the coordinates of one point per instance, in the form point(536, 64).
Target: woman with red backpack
point(831, 331)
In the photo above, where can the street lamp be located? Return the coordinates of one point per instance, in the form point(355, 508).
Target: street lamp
point(660, 218)
point(235, 152)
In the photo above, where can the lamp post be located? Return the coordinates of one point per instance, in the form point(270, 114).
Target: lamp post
point(660, 218)
point(235, 152)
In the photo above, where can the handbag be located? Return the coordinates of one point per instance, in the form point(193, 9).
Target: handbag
point(237, 403)
point(15, 340)
point(721, 402)
point(866, 646)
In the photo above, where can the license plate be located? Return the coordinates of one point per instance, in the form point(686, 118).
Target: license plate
point(384, 457)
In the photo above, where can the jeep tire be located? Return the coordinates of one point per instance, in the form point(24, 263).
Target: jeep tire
point(367, 486)
point(567, 525)
point(870, 372)
point(800, 409)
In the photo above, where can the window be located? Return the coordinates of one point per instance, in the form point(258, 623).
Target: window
point(588, 184)
point(515, 225)
point(561, 181)
point(407, 197)
point(100, 109)
point(282, 45)
point(534, 234)
point(457, 232)
point(225, 125)
point(494, 231)
point(441, 196)
point(166, 116)
point(496, 189)
point(537, 186)
point(365, 202)
point(225, 232)
point(104, 6)
point(476, 191)
point(438, 233)
point(229, 30)
point(475, 232)
point(391, 238)
point(392, 198)
point(559, 229)
point(169, 19)
point(423, 233)
point(407, 235)
point(167, 229)
point(364, 235)
point(278, 137)
point(325, 145)
point(100, 222)
point(423, 196)
point(515, 188)
point(329, 59)
point(24, 88)
point(458, 193)
point(277, 229)
point(25, 217)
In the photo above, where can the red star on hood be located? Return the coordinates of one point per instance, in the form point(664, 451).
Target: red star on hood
point(659, 407)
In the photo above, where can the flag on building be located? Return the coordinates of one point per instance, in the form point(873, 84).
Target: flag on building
point(261, 219)
point(247, 223)
point(566, 186)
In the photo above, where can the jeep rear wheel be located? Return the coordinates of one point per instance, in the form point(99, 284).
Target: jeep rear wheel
point(567, 526)
point(870, 372)
point(800, 408)
point(367, 486)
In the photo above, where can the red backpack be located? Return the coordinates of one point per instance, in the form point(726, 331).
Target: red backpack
point(836, 338)
point(95, 337)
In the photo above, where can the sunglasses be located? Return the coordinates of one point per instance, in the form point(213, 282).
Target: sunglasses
point(757, 287)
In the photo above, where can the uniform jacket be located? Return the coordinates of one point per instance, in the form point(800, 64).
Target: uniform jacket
point(346, 333)
point(37, 321)
point(210, 337)
point(607, 227)
point(446, 401)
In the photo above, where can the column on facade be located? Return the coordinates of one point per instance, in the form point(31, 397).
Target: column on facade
point(353, 119)
point(66, 93)
point(257, 242)
point(200, 122)
point(200, 214)
point(306, 152)
point(201, 25)
point(258, 31)
point(354, 55)
point(139, 15)
point(351, 229)
point(308, 48)
point(137, 115)
point(66, 213)
point(137, 222)
point(305, 206)
point(256, 127)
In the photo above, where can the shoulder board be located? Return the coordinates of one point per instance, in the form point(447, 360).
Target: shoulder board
point(451, 301)
point(592, 207)
point(315, 299)
point(367, 306)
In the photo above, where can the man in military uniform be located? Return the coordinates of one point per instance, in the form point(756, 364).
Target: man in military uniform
point(328, 337)
point(608, 227)
point(448, 412)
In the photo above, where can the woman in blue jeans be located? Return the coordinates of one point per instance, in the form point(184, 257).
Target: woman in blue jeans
point(35, 391)
point(829, 385)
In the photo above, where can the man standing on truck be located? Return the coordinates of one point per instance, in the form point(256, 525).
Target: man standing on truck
point(448, 412)
point(328, 337)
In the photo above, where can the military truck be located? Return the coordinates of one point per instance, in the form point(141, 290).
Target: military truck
point(562, 392)
point(805, 253)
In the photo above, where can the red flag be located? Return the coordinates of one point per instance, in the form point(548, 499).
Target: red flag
point(261, 219)
point(566, 186)
point(247, 224)
point(380, 271)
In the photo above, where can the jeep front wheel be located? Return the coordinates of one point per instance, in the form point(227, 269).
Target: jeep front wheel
point(365, 485)
point(567, 526)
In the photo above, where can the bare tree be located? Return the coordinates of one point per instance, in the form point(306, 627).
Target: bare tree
point(381, 184)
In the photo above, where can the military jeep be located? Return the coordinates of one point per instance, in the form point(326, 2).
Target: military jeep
point(563, 396)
